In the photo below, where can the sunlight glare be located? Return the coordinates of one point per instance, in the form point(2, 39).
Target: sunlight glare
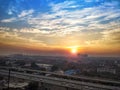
point(74, 50)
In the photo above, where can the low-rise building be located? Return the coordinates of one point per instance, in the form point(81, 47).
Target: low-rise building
point(108, 70)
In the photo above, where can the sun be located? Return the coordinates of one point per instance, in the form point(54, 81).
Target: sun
point(74, 50)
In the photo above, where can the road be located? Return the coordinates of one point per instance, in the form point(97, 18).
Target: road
point(63, 82)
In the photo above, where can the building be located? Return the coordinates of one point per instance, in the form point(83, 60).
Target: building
point(107, 70)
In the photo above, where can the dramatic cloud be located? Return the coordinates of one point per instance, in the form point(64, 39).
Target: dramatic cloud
point(62, 20)
point(83, 23)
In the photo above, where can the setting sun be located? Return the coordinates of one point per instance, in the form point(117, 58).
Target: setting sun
point(74, 50)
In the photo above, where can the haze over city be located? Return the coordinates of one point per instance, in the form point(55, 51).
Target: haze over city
point(60, 27)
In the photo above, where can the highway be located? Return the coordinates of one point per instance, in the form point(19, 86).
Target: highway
point(63, 82)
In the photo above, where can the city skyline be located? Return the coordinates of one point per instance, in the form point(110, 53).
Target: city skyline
point(60, 27)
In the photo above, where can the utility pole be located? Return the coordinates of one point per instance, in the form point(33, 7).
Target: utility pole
point(8, 78)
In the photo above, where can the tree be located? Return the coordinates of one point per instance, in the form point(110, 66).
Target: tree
point(33, 86)
point(34, 65)
point(54, 68)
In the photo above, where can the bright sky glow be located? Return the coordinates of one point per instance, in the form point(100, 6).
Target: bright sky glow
point(49, 26)
point(74, 50)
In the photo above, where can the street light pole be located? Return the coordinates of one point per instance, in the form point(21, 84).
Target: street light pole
point(8, 78)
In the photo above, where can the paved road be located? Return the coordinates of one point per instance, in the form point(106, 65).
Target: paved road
point(60, 81)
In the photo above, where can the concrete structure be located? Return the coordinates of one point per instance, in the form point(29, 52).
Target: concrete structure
point(53, 82)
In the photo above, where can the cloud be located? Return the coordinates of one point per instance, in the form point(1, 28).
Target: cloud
point(68, 17)
point(62, 20)
point(88, 0)
point(18, 39)
point(63, 5)
point(70, 23)
point(10, 12)
point(109, 38)
point(8, 20)
point(25, 13)
point(32, 30)
point(2, 29)
point(21, 17)
point(112, 36)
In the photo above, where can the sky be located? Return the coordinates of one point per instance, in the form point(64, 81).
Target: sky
point(54, 27)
